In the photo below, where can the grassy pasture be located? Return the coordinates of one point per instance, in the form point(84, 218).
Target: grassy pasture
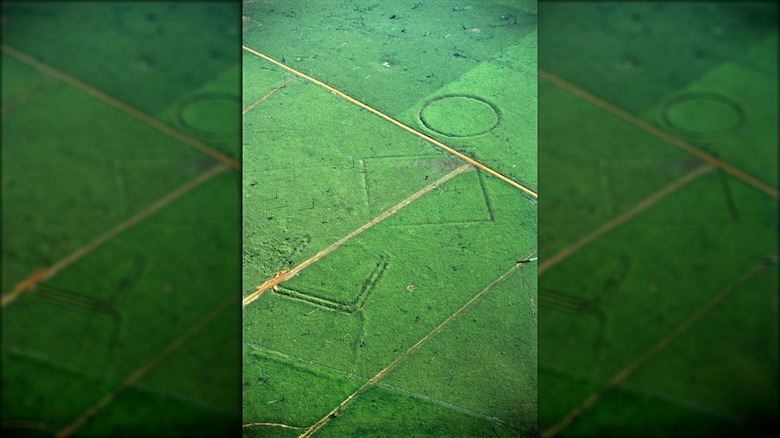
point(440, 271)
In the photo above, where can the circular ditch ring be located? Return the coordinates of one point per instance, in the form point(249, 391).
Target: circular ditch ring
point(713, 100)
point(181, 121)
point(490, 115)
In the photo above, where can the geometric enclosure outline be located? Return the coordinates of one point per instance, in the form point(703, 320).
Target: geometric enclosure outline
point(330, 303)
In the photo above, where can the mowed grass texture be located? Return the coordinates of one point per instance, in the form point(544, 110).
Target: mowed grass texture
point(658, 260)
point(424, 322)
point(120, 300)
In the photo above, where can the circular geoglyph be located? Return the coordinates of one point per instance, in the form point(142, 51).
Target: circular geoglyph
point(209, 115)
point(701, 115)
point(459, 115)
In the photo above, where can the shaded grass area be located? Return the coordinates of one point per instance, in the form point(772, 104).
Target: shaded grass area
point(559, 389)
point(27, 380)
point(115, 342)
point(114, 334)
point(136, 309)
point(126, 177)
point(663, 305)
point(737, 347)
point(653, 290)
point(749, 129)
point(211, 362)
point(607, 166)
point(143, 56)
point(154, 414)
point(638, 412)
point(624, 43)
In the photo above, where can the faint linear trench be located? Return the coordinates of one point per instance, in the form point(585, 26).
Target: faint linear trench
point(216, 409)
point(531, 292)
point(365, 185)
point(491, 216)
point(26, 94)
point(443, 404)
point(687, 404)
point(270, 93)
point(121, 187)
point(302, 363)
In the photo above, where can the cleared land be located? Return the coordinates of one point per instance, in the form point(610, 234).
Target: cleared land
point(391, 286)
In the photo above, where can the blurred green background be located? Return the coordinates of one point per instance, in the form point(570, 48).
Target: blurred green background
point(120, 173)
point(658, 272)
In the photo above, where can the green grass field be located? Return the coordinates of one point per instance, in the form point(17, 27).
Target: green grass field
point(120, 238)
point(422, 323)
point(658, 283)
point(386, 282)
